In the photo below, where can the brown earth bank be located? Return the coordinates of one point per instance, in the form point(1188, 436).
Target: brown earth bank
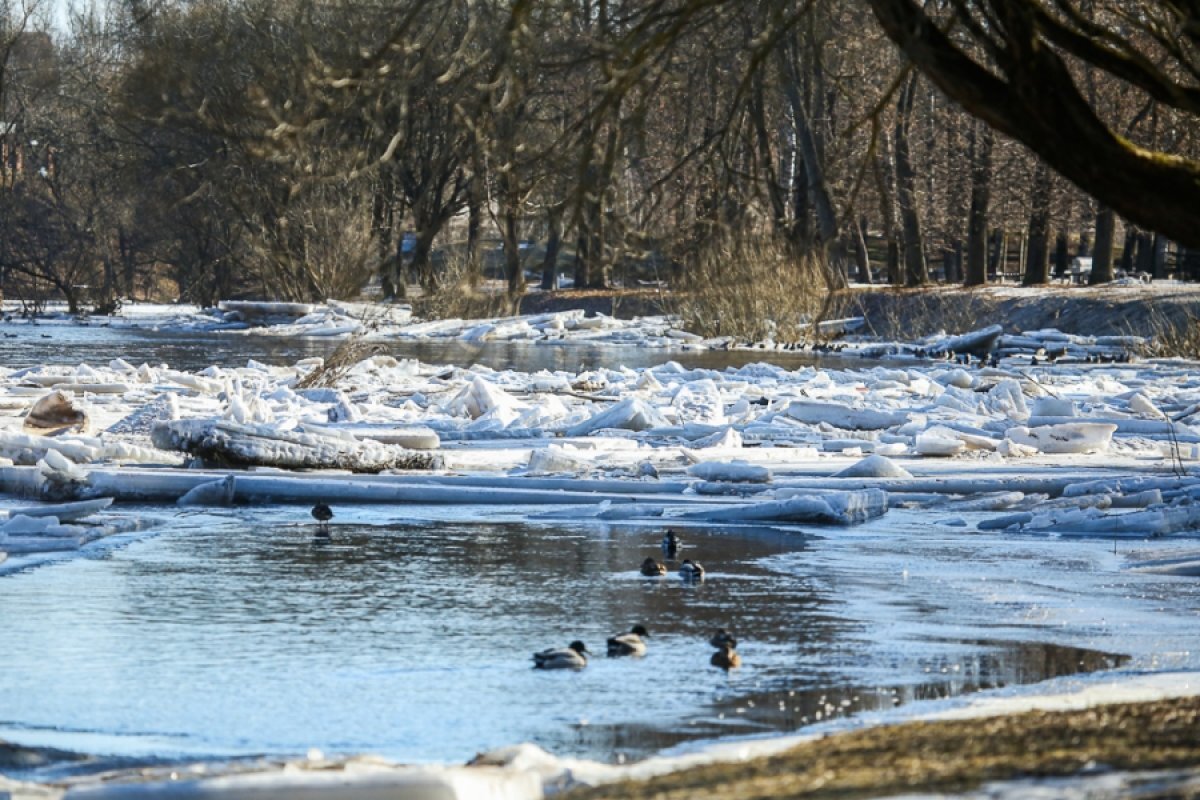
point(951, 756)
point(912, 313)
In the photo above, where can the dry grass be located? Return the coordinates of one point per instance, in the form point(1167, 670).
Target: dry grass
point(953, 755)
point(751, 290)
point(1173, 335)
point(916, 313)
point(461, 294)
point(347, 355)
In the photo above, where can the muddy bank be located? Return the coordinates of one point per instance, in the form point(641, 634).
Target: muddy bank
point(951, 756)
point(1106, 311)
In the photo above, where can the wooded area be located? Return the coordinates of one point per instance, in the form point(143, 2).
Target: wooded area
point(305, 149)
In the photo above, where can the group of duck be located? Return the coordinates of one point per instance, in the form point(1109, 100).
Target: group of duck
point(575, 655)
point(690, 571)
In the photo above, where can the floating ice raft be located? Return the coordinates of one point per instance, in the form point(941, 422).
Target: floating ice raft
point(237, 444)
point(834, 508)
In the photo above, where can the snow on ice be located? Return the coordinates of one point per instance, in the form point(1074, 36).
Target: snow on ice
point(759, 436)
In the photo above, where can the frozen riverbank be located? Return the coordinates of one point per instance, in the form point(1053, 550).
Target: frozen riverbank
point(1098, 741)
point(604, 318)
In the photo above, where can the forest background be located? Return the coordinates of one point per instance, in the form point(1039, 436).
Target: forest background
point(454, 152)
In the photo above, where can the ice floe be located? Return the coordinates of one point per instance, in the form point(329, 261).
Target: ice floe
point(766, 441)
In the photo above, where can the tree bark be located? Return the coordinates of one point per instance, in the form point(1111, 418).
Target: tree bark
point(832, 252)
point(996, 254)
point(1062, 255)
point(422, 264)
point(917, 272)
point(1128, 250)
point(1102, 253)
point(475, 202)
point(1037, 262)
point(1158, 269)
point(950, 262)
point(862, 257)
point(891, 229)
point(554, 216)
point(980, 144)
point(1144, 261)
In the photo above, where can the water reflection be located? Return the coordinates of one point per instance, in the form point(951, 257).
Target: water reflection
point(414, 641)
point(24, 345)
point(785, 709)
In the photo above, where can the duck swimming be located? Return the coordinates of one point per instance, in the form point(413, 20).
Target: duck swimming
point(726, 658)
point(691, 570)
point(628, 644)
point(722, 638)
point(652, 568)
point(573, 656)
point(670, 543)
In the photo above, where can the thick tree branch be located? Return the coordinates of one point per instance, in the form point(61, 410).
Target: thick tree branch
point(1039, 105)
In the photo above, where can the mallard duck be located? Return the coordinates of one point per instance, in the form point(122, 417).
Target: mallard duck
point(322, 513)
point(628, 644)
point(722, 638)
point(691, 570)
point(653, 568)
point(670, 543)
point(726, 658)
point(573, 656)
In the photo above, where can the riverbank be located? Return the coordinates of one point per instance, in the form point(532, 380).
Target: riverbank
point(1110, 310)
point(1117, 737)
point(1013, 755)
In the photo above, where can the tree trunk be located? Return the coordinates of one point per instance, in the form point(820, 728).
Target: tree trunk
point(512, 253)
point(391, 279)
point(1128, 249)
point(1158, 269)
point(554, 217)
point(128, 261)
point(1062, 255)
point(915, 268)
point(422, 265)
point(887, 210)
point(981, 140)
point(383, 218)
point(1144, 262)
point(801, 230)
point(862, 258)
point(1102, 266)
point(1037, 262)
point(832, 252)
point(949, 262)
point(1188, 267)
point(995, 254)
point(475, 201)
